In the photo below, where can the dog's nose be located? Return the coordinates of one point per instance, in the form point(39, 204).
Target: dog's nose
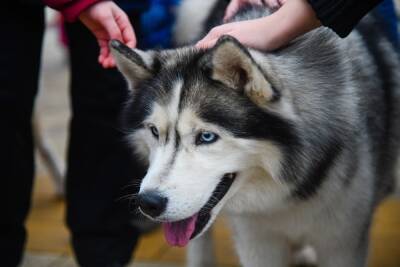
point(152, 203)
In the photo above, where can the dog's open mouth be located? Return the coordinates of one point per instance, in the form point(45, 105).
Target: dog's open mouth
point(179, 233)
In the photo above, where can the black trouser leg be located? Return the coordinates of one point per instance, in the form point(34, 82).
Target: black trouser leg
point(99, 162)
point(21, 28)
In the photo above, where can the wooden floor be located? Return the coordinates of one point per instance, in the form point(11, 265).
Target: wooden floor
point(47, 234)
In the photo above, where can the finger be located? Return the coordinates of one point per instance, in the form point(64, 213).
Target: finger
point(215, 33)
point(109, 62)
point(106, 62)
point(202, 43)
point(281, 2)
point(257, 2)
point(273, 4)
point(126, 29)
point(218, 31)
point(210, 43)
point(112, 32)
point(103, 64)
point(112, 63)
point(104, 50)
point(207, 44)
point(101, 58)
point(232, 8)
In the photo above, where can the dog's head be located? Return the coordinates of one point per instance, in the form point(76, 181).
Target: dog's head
point(200, 120)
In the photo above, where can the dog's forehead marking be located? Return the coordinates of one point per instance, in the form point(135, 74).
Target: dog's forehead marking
point(159, 118)
point(187, 121)
point(165, 117)
point(173, 105)
point(165, 113)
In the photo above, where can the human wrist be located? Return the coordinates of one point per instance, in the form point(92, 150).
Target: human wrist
point(73, 12)
point(293, 19)
point(88, 9)
point(274, 32)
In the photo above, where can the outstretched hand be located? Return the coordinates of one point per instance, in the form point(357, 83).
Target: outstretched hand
point(107, 21)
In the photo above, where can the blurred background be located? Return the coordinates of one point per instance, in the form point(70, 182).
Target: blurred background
point(48, 241)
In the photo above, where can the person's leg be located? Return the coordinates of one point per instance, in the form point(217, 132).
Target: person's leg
point(21, 28)
point(100, 163)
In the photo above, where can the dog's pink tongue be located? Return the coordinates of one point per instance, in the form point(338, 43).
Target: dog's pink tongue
point(179, 233)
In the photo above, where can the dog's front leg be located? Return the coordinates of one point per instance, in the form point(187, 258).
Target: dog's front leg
point(257, 247)
point(201, 251)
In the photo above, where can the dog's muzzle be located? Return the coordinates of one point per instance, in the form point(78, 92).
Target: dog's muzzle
point(179, 233)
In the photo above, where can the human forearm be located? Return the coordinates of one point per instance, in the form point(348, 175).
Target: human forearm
point(294, 18)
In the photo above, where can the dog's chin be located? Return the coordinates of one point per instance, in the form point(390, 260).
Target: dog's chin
point(179, 233)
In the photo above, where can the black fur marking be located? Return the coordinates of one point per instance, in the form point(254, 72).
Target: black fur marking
point(240, 116)
point(318, 172)
point(137, 109)
point(172, 161)
point(158, 88)
point(174, 153)
point(177, 140)
point(219, 192)
point(211, 100)
point(156, 65)
point(128, 53)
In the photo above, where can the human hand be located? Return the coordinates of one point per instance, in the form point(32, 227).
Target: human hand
point(235, 5)
point(253, 33)
point(107, 21)
point(274, 4)
point(293, 19)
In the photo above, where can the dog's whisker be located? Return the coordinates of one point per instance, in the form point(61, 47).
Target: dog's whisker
point(125, 197)
point(133, 184)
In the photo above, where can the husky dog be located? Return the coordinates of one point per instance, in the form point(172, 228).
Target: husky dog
point(297, 147)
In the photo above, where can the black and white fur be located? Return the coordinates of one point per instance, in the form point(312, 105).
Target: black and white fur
point(311, 132)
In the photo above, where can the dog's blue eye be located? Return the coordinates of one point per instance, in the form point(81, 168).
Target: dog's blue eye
point(206, 138)
point(154, 131)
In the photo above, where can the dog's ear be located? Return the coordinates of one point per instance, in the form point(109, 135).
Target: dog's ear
point(134, 64)
point(231, 64)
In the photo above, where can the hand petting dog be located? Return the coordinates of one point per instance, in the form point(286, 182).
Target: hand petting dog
point(107, 21)
point(292, 19)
